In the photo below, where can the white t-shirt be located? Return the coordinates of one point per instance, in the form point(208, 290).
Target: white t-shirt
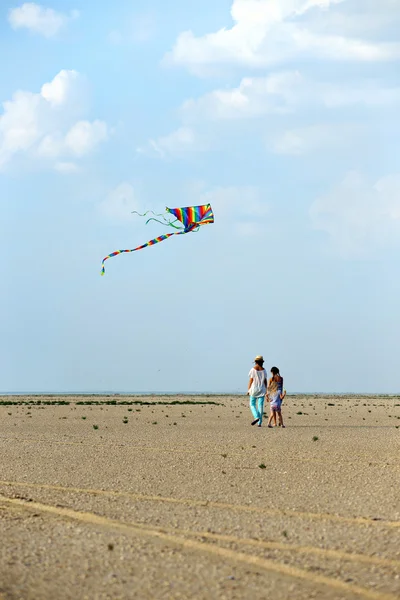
point(258, 387)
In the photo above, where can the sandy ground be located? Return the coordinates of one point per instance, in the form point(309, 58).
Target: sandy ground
point(190, 501)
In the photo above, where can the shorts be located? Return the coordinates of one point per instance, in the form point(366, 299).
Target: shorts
point(276, 406)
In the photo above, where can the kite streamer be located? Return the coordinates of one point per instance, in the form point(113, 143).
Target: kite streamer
point(191, 217)
point(164, 221)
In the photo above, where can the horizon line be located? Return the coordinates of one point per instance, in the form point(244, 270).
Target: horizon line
point(184, 393)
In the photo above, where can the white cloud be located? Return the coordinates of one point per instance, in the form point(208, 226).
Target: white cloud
point(120, 203)
point(254, 97)
point(44, 125)
point(243, 207)
point(359, 215)
point(51, 146)
point(271, 100)
point(285, 92)
point(268, 32)
point(233, 200)
point(374, 18)
point(178, 143)
point(66, 168)
point(369, 93)
point(142, 28)
point(38, 19)
point(306, 140)
point(62, 88)
point(83, 137)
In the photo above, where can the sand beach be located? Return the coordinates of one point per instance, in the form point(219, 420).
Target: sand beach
point(119, 497)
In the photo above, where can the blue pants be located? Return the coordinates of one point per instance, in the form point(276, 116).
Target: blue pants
point(257, 407)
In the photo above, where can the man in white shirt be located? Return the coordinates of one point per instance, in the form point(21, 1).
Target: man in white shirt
point(257, 389)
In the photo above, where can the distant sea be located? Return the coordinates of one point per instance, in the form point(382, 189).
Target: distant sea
point(194, 393)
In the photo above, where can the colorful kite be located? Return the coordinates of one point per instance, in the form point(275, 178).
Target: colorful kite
point(191, 217)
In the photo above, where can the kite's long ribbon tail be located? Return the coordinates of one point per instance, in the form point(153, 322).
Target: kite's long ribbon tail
point(156, 240)
point(148, 212)
point(164, 221)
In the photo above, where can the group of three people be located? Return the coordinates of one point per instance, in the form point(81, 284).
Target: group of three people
point(260, 388)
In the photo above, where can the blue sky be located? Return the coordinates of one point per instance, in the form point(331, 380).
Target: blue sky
point(281, 113)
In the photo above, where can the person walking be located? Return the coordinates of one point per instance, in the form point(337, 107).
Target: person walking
point(257, 390)
point(275, 395)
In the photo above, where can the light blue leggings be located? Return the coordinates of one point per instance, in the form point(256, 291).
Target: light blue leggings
point(257, 407)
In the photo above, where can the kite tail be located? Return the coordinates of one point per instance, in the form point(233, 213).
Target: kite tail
point(156, 240)
point(165, 222)
point(148, 212)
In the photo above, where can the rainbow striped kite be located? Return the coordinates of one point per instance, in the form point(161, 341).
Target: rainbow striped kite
point(191, 217)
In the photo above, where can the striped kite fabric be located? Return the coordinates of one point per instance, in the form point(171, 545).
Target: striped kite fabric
point(192, 217)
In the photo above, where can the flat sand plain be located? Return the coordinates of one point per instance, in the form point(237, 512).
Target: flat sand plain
point(189, 501)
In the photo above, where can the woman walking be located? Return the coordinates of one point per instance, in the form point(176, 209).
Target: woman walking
point(275, 394)
point(257, 389)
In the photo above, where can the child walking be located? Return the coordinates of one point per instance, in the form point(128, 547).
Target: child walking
point(257, 389)
point(275, 395)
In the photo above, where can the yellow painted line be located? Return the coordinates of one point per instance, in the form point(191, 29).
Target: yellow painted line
point(206, 504)
point(222, 553)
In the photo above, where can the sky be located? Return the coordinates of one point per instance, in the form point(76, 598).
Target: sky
point(283, 114)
